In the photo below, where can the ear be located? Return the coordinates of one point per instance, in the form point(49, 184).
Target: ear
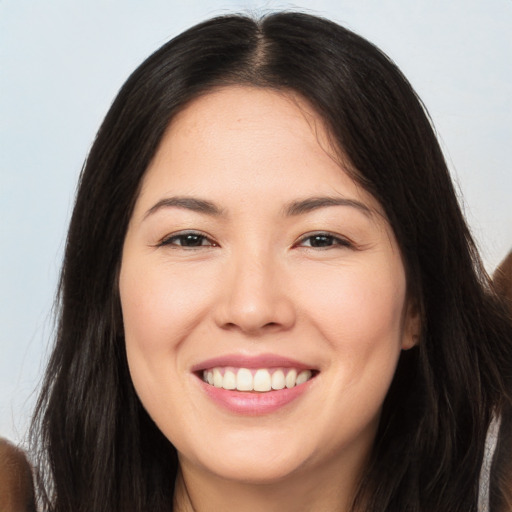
point(412, 325)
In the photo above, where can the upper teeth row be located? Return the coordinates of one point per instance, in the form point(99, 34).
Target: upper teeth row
point(262, 379)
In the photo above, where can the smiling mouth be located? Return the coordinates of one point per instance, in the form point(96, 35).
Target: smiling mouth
point(259, 380)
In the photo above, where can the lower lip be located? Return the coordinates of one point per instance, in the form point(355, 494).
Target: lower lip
point(254, 403)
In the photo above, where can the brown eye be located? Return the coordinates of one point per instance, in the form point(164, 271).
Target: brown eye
point(323, 240)
point(188, 240)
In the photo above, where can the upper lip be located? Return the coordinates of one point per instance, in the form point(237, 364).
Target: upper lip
point(251, 362)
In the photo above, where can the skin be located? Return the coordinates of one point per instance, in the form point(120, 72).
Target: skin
point(255, 286)
point(16, 487)
point(503, 279)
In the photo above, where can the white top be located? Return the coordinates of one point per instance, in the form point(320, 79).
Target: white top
point(485, 472)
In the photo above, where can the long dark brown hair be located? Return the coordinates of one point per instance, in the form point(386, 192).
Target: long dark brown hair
point(98, 448)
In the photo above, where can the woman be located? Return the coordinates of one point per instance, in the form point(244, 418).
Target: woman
point(270, 298)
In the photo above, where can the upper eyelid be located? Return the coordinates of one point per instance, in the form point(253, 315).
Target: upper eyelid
point(335, 236)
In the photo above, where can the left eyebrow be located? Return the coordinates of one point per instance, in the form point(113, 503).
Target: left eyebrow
point(314, 203)
point(186, 203)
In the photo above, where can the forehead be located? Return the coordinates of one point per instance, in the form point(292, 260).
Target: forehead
point(246, 103)
point(250, 141)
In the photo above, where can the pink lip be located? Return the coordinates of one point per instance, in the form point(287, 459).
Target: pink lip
point(243, 361)
point(252, 403)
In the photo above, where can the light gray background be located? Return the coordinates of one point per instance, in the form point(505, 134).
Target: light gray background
point(62, 62)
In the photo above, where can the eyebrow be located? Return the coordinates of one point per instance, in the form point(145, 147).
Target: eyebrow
point(188, 203)
point(294, 208)
point(315, 203)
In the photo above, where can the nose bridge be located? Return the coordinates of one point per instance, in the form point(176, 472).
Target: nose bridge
point(256, 295)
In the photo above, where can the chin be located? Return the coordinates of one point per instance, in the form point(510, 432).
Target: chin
point(257, 461)
point(255, 470)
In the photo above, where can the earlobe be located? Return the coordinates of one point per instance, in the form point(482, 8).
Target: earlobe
point(412, 326)
point(410, 341)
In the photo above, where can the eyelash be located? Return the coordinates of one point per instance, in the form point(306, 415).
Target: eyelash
point(197, 238)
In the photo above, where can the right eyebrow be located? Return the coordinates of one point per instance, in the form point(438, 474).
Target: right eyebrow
point(188, 203)
point(314, 203)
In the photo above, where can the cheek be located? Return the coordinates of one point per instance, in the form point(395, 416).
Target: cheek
point(359, 300)
point(161, 306)
point(359, 312)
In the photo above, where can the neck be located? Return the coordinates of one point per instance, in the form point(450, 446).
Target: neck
point(326, 490)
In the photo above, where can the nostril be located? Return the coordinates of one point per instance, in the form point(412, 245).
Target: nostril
point(229, 326)
point(246, 327)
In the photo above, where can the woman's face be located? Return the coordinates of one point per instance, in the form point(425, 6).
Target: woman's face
point(263, 292)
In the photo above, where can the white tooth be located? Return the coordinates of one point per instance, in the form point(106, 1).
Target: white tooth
point(229, 381)
point(205, 375)
point(244, 380)
point(278, 381)
point(217, 378)
point(210, 377)
point(291, 376)
point(262, 381)
point(303, 376)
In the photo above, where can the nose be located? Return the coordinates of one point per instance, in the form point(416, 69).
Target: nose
point(255, 297)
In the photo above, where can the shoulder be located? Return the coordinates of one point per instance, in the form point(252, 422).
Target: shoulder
point(16, 487)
